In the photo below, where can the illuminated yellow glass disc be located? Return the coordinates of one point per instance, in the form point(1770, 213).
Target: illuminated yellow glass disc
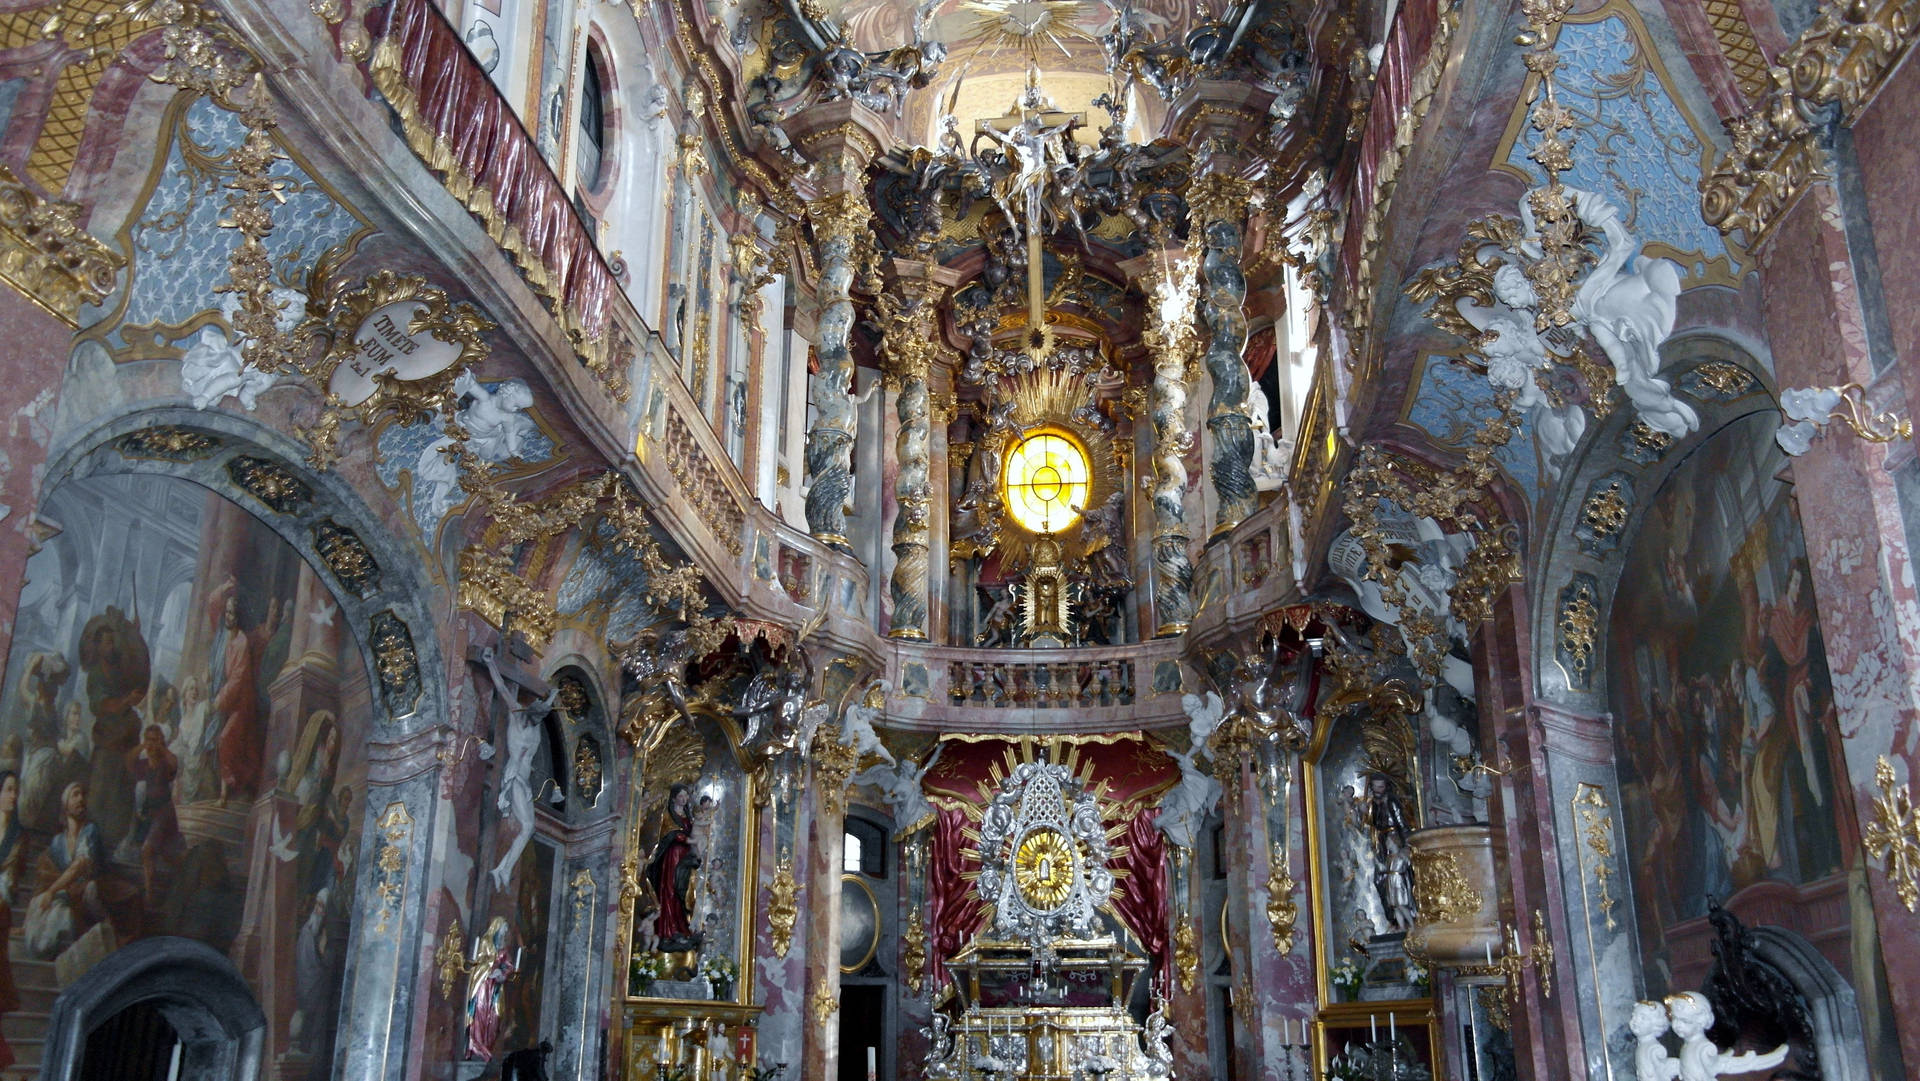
point(1046, 479)
point(1043, 868)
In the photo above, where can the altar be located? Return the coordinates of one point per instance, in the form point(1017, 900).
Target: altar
point(1042, 992)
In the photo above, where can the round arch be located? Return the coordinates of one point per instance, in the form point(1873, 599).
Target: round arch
point(369, 573)
point(199, 992)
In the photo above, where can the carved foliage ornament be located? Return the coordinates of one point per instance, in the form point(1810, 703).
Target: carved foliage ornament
point(1894, 835)
point(1578, 625)
point(271, 483)
point(1282, 911)
point(447, 959)
point(347, 556)
point(781, 909)
point(394, 659)
point(168, 443)
point(913, 951)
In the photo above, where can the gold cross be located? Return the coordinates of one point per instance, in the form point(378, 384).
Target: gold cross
point(1894, 834)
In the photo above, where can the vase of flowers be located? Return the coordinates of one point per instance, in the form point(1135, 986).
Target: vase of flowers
point(645, 968)
point(720, 973)
point(1345, 977)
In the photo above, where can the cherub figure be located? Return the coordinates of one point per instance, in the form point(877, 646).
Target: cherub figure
point(1692, 1015)
point(1648, 1023)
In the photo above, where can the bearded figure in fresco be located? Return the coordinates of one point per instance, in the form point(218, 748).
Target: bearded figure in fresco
point(114, 656)
point(237, 657)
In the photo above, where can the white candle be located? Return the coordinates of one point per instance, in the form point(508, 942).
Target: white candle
point(1373, 1029)
point(1393, 1028)
point(873, 1069)
point(1489, 946)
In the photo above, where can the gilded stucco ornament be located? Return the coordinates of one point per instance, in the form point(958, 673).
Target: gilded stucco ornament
point(1186, 954)
point(781, 909)
point(397, 347)
point(169, 443)
point(448, 962)
point(1840, 60)
point(47, 256)
point(1894, 835)
point(1441, 891)
point(1282, 911)
point(913, 951)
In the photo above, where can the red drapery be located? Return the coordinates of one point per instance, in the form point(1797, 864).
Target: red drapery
point(488, 160)
point(954, 910)
point(1140, 897)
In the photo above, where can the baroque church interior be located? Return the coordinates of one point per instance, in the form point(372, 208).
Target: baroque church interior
point(1068, 540)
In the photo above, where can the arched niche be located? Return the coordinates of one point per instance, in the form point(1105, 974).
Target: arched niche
point(1677, 655)
point(194, 988)
point(205, 591)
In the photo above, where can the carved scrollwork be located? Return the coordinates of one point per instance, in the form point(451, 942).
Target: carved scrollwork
point(1441, 891)
point(168, 443)
point(271, 483)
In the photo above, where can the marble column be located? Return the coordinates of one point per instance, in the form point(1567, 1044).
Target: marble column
point(780, 944)
point(833, 763)
point(1166, 280)
point(1273, 976)
point(910, 315)
point(839, 138)
point(1217, 207)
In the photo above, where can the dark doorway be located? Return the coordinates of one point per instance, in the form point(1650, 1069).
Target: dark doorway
point(136, 1044)
point(863, 1024)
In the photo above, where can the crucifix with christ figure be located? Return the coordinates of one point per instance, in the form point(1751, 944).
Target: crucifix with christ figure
point(1034, 134)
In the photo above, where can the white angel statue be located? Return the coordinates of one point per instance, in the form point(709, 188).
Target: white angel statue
point(856, 725)
point(1692, 1015)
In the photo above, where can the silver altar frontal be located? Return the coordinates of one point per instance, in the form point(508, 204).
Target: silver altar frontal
point(1042, 992)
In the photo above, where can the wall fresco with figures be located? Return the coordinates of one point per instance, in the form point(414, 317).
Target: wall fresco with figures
point(1726, 729)
point(182, 753)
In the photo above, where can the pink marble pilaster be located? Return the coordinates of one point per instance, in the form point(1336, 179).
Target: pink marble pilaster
point(1546, 1032)
point(820, 923)
point(1862, 570)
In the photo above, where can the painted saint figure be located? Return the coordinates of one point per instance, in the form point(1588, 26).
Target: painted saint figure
point(238, 655)
point(671, 870)
point(488, 970)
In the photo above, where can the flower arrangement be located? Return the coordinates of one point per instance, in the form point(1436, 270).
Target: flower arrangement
point(647, 967)
point(719, 969)
point(1419, 977)
point(1346, 977)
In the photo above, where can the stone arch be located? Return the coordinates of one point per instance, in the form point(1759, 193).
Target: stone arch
point(1583, 535)
point(199, 992)
point(1832, 1005)
point(372, 575)
point(382, 595)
